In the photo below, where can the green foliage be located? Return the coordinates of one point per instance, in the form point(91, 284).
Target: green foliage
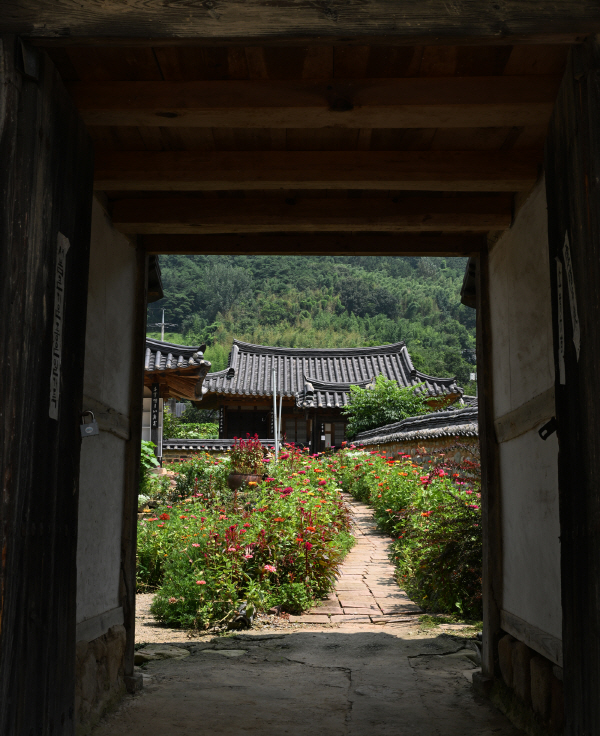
point(147, 462)
point(432, 511)
point(279, 541)
point(302, 301)
point(175, 429)
point(148, 458)
point(383, 404)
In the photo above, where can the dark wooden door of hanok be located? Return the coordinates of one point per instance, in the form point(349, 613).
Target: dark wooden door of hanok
point(573, 193)
point(46, 171)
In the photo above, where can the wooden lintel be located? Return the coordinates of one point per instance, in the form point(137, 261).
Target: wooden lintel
point(188, 215)
point(316, 245)
point(413, 20)
point(414, 102)
point(492, 171)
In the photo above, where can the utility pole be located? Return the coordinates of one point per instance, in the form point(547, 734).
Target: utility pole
point(273, 378)
point(162, 326)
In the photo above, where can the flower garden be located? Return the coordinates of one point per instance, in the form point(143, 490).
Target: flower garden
point(207, 550)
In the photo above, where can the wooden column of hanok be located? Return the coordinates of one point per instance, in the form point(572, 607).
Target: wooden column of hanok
point(490, 475)
point(46, 173)
point(572, 165)
point(127, 580)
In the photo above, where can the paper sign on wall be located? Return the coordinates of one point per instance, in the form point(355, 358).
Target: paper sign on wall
point(572, 296)
point(561, 322)
point(62, 247)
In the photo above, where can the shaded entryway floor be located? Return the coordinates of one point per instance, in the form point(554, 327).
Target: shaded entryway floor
point(358, 665)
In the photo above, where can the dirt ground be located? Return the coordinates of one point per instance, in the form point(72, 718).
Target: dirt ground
point(338, 679)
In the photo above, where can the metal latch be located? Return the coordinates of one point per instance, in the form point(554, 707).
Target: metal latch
point(90, 428)
point(548, 429)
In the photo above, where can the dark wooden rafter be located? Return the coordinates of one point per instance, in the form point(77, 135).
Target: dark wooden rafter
point(411, 20)
point(444, 102)
point(492, 171)
point(188, 215)
point(408, 244)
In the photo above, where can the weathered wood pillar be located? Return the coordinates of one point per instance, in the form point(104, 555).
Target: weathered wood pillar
point(46, 173)
point(132, 467)
point(490, 474)
point(572, 164)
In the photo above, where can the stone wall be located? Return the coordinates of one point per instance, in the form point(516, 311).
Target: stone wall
point(458, 449)
point(99, 677)
point(531, 690)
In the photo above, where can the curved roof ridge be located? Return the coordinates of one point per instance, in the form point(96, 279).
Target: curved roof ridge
point(420, 374)
point(267, 349)
point(158, 344)
point(319, 382)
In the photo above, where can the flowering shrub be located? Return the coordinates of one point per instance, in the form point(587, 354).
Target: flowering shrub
point(432, 511)
point(247, 455)
point(281, 545)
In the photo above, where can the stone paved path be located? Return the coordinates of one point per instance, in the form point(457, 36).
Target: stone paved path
point(366, 590)
point(358, 664)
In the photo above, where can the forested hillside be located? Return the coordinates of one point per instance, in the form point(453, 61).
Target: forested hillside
point(301, 301)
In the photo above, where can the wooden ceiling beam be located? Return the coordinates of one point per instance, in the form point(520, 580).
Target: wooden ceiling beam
point(421, 102)
point(186, 215)
point(413, 20)
point(468, 171)
point(406, 244)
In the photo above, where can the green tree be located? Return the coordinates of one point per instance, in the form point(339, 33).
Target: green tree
point(383, 404)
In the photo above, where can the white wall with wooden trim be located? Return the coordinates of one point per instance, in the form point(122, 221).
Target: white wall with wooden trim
point(108, 361)
point(524, 401)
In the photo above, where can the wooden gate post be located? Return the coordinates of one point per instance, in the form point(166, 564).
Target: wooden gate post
point(572, 165)
point(490, 474)
point(46, 173)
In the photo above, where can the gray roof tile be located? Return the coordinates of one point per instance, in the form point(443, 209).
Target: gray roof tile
point(445, 423)
point(162, 356)
point(318, 377)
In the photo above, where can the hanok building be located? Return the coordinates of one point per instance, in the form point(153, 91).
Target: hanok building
point(315, 384)
point(370, 128)
point(171, 372)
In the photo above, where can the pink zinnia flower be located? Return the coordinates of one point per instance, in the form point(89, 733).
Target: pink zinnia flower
point(195, 544)
point(322, 483)
point(269, 568)
point(200, 582)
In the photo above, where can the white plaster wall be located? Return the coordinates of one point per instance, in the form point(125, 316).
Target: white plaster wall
point(108, 353)
point(521, 308)
point(530, 531)
point(524, 368)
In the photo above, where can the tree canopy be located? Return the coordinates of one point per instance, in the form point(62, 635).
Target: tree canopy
point(384, 403)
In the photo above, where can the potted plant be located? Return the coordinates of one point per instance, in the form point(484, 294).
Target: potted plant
point(246, 462)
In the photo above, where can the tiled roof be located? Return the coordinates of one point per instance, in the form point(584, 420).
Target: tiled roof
point(318, 377)
point(161, 356)
point(461, 423)
point(207, 445)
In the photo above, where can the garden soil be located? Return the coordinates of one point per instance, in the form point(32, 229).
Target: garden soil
point(359, 664)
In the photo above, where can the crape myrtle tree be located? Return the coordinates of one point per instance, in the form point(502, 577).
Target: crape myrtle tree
point(384, 403)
